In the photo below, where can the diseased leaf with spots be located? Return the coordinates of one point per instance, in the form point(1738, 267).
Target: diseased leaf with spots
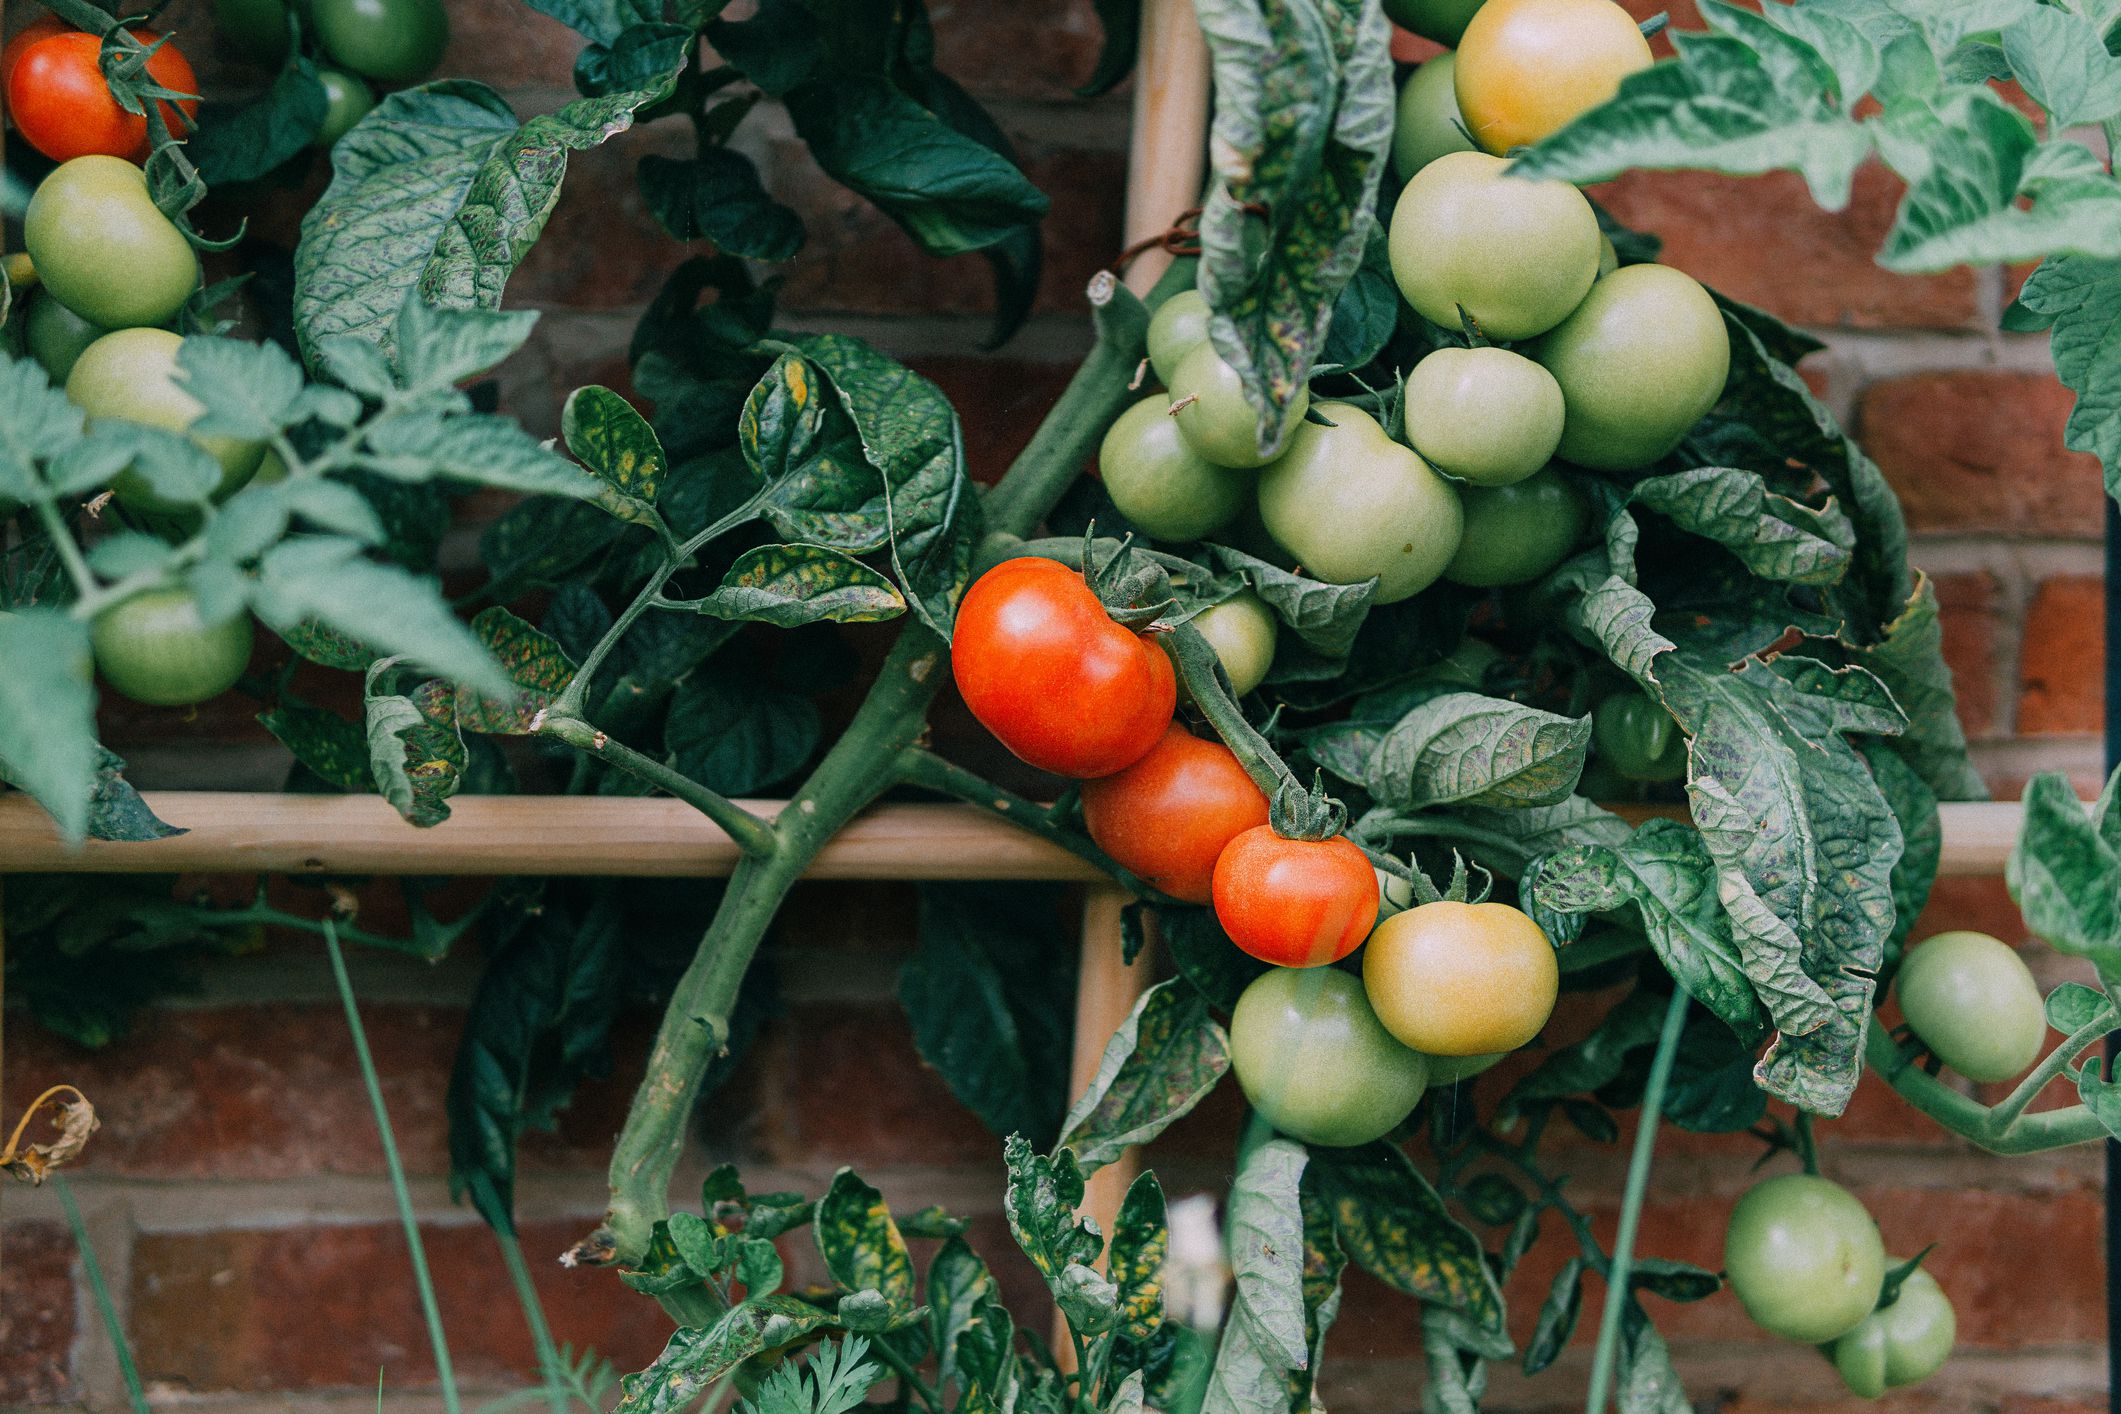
point(1040, 1201)
point(860, 1243)
point(1141, 1240)
point(325, 743)
point(604, 433)
point(533, 660)
point(792, 585)
point(695, 1357)
point(1161, 1062)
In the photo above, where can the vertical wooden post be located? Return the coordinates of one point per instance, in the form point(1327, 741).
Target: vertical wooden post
point(1106, 989)
point(1167, 152)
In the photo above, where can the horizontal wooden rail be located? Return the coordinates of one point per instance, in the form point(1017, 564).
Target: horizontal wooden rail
point(235, 832)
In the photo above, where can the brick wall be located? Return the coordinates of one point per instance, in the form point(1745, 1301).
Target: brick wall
point(236, 1194)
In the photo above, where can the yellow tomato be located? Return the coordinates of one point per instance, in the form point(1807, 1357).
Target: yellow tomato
point(1528, 67)
point(1461, 979)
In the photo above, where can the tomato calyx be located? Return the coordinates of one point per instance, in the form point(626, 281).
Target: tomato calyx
point(1300, 813)
point(1889, 1289)
point(1134, 589)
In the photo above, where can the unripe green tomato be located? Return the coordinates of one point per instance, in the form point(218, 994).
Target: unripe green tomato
point(1428, 125)
point(1312, 1057)
point(1349, 502)
point(1516, 533)
point(155, 648)
point(1902, 1344)
point(1637, 737)
point(390, 41)
point(1608, 258)
point(1179, 326)
point(102, 248)
point(1160, 483)
point(1441, 20)
point(1804, 1258)
point(347, 99)
point(1213, 412)
point(1639, 362)
point(1517, 255)
point(1973, 1002)
point(132, 374)
point(56, 336)
point(256, 29)
point(1242, 630)
point(1466, 665)
point(1487, 416)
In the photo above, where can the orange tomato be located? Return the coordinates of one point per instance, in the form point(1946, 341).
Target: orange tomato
point(1526, 68)
point(1294, 903)
point(1168, 816)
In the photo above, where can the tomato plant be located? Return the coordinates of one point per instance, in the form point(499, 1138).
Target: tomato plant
point(1534, 536)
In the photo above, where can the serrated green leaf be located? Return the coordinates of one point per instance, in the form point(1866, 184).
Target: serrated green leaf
point(248, 390)
point(2061, 61)
point(1463, 748)
point(1264, 1339)
point(860, 1243)
point(2073, 1006)
point(48, 714)
point(792, 585)
point(116, 811)
point(489, 450)
point(695, 1358)
point(1776, 538)
point(330, 747)
point(243, 142)
point(2081, 299)
point(1161, 1062)
point(1326, 616)
point(608, 436)
point(439, 346)
point(1040, 1201)
point(1302, 133)
point(2064, 875)
point(326, 580)
point(738, 737)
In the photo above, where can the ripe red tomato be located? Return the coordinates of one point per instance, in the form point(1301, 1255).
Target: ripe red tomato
point(1168, 816)
point(1295, 903)
point(42, 27)
point(1045, 668)
point(63, 106)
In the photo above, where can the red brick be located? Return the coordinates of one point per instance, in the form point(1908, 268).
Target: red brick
point(1749, 236)
point(1017, 51)
point(510, 46)
point(2062, 659)
point(1000, 403)
point(857, 1092)
point(37, 1318)
point(1982, 903)
point(1982, 453)
point(1975, 626)
point(330, 1306)
point(856, 261)
point(2035, 1404)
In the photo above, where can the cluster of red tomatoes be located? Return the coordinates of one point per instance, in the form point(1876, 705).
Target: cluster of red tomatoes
point(1329, 1057)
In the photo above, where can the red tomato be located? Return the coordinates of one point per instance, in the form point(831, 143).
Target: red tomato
point(63, 107)
point(1295, 903)
point(42, 27)
point(1045, 668)
point(1168, 816)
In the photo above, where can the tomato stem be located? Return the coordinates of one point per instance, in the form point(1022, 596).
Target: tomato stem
point(753, 834)
point(1617, 1295)
point(1967, 1117)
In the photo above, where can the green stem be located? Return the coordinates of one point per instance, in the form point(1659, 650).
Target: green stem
point(1969, 1118)
point(695, 1026)
point(1201, 671)
point(1807, 1145)
point(908, 1376)
point(62, 538)
point(921, 767)
point(2006, 1111)
point(1092, 401)
point(533, 1317)
point(445, 1373)
point(752, 834)
point(1387, 825)
point(1623, 1260)
point(105, 1307)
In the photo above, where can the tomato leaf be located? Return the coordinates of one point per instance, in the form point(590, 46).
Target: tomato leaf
point(1464, 748)
point(1395, 1227)
point(696, 1357)
point(48, 714)
point(600, 21)
point(115, 810)
point(2072, 1006)
point(1161, 1062)
point(539, 1025)
point(248, 390)
point(1648, 1384)
point(1041, 1202)
point(1777, 538)
point(717, 196)
point(417, 762)
point(1557, 1317)
point(1264, 1338)
point(325, 580)
point(1141, 1239)
point(1302, 132)
point(792, 585)
point(324, 743)
point(2080, 298)
point(2064, 874)
point(2060, 59)
point(740, 737)
point(1326, 616)
point(243, 142)
point(861, 1245)
point(988, 993)
point(441, 190)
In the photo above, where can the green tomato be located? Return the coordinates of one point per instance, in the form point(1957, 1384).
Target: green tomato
point(1637, 737)
point(1428, 125)
point(101, 247)
point(1214, 413)
point(1639, 362)
point(1901, 1344)
point(1179, 327)
point(1608, 258)
point(1466, 665)
point(1242, 630)
point(255, 29)
point(1349, 503)
point(1804, 1258)
point(390, 41)
point(1487, 416)
point(1516, 255)
point(132, 374)
point(1514, 534)
point(1441, 20)
point(1974, 1003)
point(1312, 1057)
point(347, 99)
point(156, 648)
point(57, 336)
point(1160, 483)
